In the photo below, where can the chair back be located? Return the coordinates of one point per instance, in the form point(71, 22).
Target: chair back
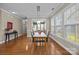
point(47, 36)
point(32, 36)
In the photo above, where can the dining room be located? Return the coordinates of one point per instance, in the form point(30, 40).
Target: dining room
point(39, 28)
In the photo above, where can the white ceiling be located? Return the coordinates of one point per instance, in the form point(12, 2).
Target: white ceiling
point(29, 10)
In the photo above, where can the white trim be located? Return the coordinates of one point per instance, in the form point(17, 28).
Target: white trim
point(2, 42)
point(6, 11)
point(63, 46)
point(72, 42)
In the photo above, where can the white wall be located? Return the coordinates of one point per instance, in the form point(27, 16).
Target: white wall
point(29, 27)
point(25, 26)
point(0, 27)
point(8, 17)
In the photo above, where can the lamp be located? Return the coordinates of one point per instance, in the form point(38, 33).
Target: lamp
point(38, 10)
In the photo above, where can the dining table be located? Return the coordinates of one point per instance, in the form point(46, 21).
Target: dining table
point(39, 39)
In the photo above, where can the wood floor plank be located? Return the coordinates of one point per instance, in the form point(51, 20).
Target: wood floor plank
point(24, 46)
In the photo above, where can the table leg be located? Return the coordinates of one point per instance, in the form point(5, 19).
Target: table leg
point(17, 35)
point(5, 38)
point(8, 37)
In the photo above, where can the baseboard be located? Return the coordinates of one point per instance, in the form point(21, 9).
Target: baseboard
point(10, 39)
point(2, 42)
point(67, 49)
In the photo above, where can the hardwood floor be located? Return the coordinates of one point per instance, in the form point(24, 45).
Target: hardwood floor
point(24, 46)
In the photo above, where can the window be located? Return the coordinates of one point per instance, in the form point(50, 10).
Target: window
point(58, 26)
point(70, 33)
point(68, 30)
point(39, 25)
point(70, 15)
point(59, 31)
point(52, 24)
point(58, 19)
point(77, 39)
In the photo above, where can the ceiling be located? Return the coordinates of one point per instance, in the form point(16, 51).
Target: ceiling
point(29, 10)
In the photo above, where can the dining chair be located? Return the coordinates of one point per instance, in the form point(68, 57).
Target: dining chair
point(47, 36)
point(43, 39)
point(40, 42)
point(32, 36)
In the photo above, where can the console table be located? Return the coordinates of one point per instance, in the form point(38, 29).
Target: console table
point(7, 35)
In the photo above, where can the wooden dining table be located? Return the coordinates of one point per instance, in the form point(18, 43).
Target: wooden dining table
point(39, 39)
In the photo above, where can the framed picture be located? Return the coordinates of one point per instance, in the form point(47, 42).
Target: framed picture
point(9, 25)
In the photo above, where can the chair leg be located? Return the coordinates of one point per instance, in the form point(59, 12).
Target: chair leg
point(45, 44)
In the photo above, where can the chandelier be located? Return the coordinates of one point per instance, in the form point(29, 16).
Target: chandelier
point(38, 10)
